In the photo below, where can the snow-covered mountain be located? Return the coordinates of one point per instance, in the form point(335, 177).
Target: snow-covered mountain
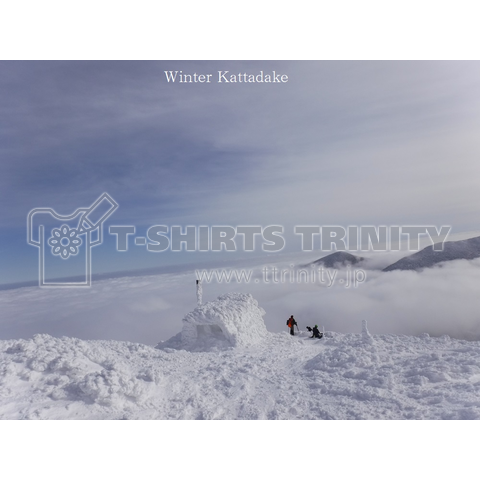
point(462, 249)
point(337, 260)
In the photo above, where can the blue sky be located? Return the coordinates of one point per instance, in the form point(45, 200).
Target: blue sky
point(343, 143)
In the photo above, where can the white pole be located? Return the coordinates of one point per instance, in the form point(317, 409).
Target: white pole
point(365, 328)
point(199, 293)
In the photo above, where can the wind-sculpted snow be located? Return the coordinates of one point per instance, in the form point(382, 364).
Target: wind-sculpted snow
point(342, 376)
point(232, 319)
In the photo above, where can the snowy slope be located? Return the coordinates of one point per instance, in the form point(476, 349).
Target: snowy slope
point(460, 250)
point(344, 376)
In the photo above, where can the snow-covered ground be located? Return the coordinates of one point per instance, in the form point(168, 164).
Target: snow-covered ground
point(343, 376)
point(121, 350)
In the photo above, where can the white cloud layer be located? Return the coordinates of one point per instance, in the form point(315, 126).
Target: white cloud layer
point(440, 301)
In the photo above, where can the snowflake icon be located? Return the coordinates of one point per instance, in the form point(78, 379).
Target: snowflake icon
point(64, 241)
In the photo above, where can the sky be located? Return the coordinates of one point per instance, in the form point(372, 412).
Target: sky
point(341, 143)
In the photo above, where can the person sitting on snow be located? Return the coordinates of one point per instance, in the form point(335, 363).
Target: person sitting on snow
point(315, 332)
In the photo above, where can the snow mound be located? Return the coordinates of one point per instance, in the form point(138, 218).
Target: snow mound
point(232, 320)
point(67, 376)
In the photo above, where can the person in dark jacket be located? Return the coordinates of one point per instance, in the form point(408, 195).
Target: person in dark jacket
point(291, 324)
point(316, 332)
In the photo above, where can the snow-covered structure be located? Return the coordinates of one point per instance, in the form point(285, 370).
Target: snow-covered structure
point(233, 319)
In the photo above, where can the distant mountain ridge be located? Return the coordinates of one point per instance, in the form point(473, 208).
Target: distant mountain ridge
point(337, 259)
point(428, 257)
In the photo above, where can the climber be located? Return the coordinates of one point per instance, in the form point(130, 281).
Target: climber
point(291, 324)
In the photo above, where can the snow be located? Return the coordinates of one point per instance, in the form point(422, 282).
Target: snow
point(233, 319)
point(226, 361)
point(342, 376)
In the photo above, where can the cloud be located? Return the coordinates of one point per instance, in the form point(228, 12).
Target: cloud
point(437, 301)
point(340, 143)
point(335, 131)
